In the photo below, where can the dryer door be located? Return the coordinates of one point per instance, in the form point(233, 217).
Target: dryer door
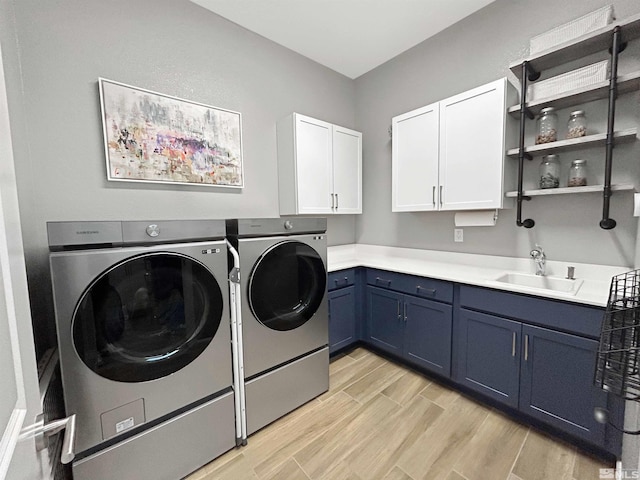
point(147, 317)
point(287, 285)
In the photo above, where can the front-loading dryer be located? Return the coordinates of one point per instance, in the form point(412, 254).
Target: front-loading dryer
point(284, 313)
point(143, 327)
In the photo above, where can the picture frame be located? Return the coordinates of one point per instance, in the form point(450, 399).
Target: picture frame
point(150, 137)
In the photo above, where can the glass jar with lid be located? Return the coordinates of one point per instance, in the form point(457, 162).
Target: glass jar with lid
point(578, 174)
point(547, 126)
point(550, 172)
point(577, 124)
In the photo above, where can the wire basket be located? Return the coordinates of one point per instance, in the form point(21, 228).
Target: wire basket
point(617, 362)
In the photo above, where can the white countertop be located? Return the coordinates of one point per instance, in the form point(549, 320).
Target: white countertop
point(471, 269)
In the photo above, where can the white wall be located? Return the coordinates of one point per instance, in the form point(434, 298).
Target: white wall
point(475, 51)
point(55, 52)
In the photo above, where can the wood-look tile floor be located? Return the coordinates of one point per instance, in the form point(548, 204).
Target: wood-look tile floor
point(380, 420)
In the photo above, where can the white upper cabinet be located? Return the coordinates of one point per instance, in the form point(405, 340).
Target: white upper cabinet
point(313, 169)
point(347, 170)
point(450, 155)
point(319, 167)
point(415, 160)
point(472, 152)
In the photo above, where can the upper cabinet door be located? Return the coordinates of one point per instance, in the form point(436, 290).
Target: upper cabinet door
point(313, 139)
point(472, 129)
point(347, 170)
point(319, 167)
point(415, 160)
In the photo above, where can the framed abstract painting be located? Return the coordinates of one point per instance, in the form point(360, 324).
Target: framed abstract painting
point(152, 137)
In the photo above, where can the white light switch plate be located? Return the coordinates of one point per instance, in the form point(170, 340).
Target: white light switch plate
point(457, 235)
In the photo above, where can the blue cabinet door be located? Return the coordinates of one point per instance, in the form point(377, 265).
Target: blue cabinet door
point(342, 318)
point(427, 338)
point(557, 382)
point(384, 320)
point(489, 355)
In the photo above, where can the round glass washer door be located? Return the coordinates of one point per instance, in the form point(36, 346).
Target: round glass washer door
point(147, 317)
point(287, 285)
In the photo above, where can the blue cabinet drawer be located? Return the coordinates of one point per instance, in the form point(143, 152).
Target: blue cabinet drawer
point(341, 279)
point(568, 317)
point(429, 288)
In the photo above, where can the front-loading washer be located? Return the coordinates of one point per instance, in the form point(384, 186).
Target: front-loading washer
point(142, 317)
point(284, 313)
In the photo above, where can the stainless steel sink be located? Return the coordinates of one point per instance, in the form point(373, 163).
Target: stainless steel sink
point(537, 282)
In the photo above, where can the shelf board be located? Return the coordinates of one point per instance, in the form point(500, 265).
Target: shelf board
point(597, 91)
point(593, 42)
point(571, 190)
point(622, 136)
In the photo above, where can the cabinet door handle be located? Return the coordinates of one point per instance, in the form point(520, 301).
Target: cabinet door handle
point(513, 345)
point(338, 280)
point(337, 201)
point(433, 196)
point(405, 312)
point(441, 202)
point(398, 309)
point(382, 280)
point(526, 348)
point(333, 202)
point(425, 291)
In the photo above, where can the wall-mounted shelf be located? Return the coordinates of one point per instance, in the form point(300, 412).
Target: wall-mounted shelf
point(613, 38)
point(580, 47)
point(598, 91)
point(571, 190)
point(623, 136)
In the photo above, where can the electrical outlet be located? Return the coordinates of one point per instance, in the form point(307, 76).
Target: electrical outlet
point(457, 235)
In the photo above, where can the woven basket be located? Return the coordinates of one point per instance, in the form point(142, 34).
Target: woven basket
point(579, 78)
point(573, 29)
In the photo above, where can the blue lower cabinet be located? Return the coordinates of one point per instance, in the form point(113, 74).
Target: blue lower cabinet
point(427, 336)
point(530, 354)
point(342, 318)
point(556, 383)
point(489, 355)
point(417, 330)
point(384, 321)
point(547, 375)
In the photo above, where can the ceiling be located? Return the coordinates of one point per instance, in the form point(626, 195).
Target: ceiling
point(348, 36)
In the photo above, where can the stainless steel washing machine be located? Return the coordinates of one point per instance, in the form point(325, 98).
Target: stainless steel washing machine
point(142, 317)
point(284, 313)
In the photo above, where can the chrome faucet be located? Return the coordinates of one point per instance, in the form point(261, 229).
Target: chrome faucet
point(539, 259)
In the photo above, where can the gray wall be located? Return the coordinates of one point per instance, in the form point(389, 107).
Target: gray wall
point(55, 52)
point(475, 51)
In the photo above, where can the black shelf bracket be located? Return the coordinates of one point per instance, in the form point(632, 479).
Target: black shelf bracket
point(529, 113)
point(524, 112)
point(616, 47)
point(530, 73)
